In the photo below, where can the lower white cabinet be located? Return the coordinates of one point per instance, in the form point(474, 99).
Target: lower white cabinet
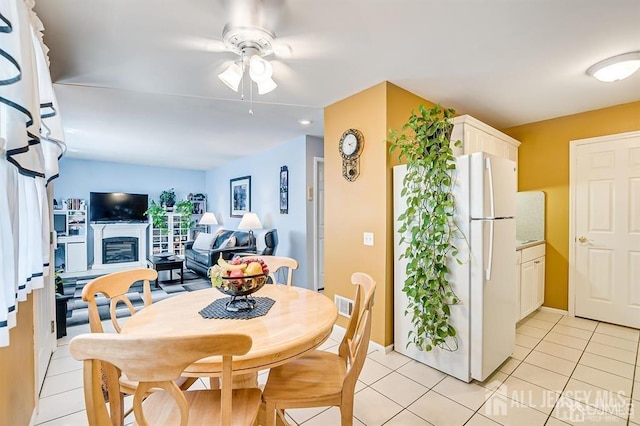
point(532, 268)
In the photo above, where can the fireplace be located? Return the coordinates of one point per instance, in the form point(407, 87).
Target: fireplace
point(119, 250)
point(119, 245)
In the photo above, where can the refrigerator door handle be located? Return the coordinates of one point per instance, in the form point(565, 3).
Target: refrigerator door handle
point(490, 260)
point(492, 200)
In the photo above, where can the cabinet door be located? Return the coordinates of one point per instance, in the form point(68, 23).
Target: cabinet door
point(527, 288)
point(517, 267)
point(539, 266)
point(76, 257)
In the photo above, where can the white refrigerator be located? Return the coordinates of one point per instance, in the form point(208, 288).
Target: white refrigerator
point(485, 282)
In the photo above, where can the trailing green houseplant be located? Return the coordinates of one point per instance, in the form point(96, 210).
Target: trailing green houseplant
point(157, 213)
point(185, 209)
point(427, 225)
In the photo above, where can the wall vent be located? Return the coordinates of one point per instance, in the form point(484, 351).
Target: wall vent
point(345, 306)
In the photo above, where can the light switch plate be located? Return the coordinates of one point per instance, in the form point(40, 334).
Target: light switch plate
point(368, 239)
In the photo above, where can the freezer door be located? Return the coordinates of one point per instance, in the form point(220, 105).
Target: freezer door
point(493, 294)
point(493, 186)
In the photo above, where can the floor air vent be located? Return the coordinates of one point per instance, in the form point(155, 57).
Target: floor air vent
point(345, 306)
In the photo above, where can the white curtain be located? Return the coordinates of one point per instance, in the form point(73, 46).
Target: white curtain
point(31, 143)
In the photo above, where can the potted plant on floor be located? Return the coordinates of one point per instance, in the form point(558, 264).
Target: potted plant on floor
point(424, 144)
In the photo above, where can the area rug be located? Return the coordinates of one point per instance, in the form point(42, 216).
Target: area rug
point(77, 312)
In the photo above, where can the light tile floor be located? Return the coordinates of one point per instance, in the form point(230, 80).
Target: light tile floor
point(564, 370)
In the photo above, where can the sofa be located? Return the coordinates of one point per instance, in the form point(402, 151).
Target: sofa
point(204, 251)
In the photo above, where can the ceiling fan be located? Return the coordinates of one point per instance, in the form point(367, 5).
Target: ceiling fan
point(248, 35)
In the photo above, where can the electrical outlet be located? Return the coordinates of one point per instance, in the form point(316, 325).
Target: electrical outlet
point(368, 239)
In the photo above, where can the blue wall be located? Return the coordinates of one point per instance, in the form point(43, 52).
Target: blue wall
point(80, 177)
point(264, 169)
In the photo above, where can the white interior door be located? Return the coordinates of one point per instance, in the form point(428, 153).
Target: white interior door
point(43, 316)
point(318, 202)
point(605, 183)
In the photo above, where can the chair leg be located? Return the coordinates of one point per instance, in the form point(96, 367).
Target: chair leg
point(187, 383)
point(270, 413)
point(346, 414)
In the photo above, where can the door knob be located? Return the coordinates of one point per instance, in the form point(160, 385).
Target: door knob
point(583, 239)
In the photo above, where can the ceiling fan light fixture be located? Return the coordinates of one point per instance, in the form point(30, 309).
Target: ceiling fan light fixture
point(232, 76)
point(616, 68)
point(260, 69)
point(266, 86)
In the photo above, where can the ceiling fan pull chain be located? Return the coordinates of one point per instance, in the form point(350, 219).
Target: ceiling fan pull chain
point(250, 99)
point(242, 78)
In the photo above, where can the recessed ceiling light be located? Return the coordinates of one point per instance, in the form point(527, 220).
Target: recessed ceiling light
point(305, 122)
point(616, 68)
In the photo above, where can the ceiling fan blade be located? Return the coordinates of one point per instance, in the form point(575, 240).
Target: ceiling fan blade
point(254, 13)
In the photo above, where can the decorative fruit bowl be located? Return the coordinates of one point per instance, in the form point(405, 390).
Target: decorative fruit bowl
point(242, 286)
point(239, 279)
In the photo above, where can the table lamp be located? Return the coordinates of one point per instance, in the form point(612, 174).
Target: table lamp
point(208, 219)
point(250, 221)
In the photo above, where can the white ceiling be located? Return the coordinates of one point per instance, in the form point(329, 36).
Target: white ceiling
point(137, 79)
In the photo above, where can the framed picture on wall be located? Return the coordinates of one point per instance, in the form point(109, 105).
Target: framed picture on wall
point(284, 190)
point(240, 196)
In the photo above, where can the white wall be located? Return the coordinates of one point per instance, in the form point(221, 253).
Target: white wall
point(264, 169)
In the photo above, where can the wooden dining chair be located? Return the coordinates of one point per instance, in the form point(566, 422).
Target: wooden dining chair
point(156, 362)
point(274, 263)
point(115, 287)
point(323, 378)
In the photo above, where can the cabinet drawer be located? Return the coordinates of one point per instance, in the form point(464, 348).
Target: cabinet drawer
point(518, 257)
point(533, 252)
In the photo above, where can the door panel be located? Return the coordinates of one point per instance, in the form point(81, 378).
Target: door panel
point(606, 274)
point(497, 176)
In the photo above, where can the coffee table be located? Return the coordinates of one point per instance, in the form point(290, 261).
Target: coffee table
point(167, 264)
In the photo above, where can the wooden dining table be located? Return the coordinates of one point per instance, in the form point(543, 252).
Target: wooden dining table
point(299, 321)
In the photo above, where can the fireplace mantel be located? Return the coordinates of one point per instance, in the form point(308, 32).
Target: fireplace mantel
point(109, 230)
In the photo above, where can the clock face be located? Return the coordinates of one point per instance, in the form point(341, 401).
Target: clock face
point(349, 144)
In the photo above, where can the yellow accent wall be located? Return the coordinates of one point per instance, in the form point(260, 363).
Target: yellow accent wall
point(544, 166)
point(352, 208)
point(17, 388)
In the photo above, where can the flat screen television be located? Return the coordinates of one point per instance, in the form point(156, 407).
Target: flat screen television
point(117, 207)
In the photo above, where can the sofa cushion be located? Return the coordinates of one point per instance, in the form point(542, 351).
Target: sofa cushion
point(242, 238)
point(222, 236)
point(228, 243)
point(204, 241)
point(201, 257)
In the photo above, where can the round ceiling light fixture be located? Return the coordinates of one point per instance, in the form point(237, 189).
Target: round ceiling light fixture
point(615, 68)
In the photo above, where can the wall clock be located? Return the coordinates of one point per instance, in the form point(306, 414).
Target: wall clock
point(350, 147)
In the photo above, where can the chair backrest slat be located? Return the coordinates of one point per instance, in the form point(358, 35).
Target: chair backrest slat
point(154, 362)
point(274, 263)
point(115, 286)
point(355, 343)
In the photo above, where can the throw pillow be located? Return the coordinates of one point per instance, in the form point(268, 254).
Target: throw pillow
point(228, 243)
point(203, 241)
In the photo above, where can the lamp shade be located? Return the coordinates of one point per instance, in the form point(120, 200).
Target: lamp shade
point(232, 76)
point(250, 221)
point(208, 219)
point(266, 86)
point(259, 69)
